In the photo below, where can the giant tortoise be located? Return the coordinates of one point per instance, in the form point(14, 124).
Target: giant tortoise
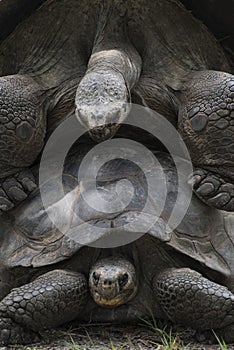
point(49, 276)
point(95, 56)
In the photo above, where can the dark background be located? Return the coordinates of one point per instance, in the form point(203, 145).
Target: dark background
point(218, 15)
point(12, 12)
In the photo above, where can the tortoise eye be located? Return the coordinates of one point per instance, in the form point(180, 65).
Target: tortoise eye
point(123, 280)
point(95, 278)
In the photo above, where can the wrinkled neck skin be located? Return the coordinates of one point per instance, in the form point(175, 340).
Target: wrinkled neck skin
point(112, 48)
point(103, 97)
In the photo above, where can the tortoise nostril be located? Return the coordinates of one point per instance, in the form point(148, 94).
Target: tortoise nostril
point(95, 278)
point(107, 282)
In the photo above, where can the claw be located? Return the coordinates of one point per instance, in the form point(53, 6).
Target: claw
point(15, 189)
point(5, 204)
point(194, 180)
point(213, 189)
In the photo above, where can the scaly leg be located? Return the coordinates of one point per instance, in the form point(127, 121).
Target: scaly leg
point(22, 131)
point(52, 299)
point(188, 298)
point(207, 126)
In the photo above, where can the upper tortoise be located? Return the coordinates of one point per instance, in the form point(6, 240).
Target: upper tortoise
point(94, 56)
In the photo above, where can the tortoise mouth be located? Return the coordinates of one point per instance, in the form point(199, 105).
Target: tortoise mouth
point(104, 132)
point(114, 301)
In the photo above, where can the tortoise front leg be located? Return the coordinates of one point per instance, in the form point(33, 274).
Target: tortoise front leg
point(188, 298)
point(22, 132)
point(207, 126)
point(52, 299)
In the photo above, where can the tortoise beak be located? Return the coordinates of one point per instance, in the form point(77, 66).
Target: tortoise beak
point(103, 133)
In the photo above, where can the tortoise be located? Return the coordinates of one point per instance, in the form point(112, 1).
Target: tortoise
point(49, 277)
point(95, 57)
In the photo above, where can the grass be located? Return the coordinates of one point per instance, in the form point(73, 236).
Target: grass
point(74, 346)
point(172, 341)
point(150, 334)
point(114, 348)
point(221, 342)
point(167, 339)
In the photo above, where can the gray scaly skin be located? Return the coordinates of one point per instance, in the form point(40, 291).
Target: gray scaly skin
point(49, 301)
point(205, 122)
point(22, 123)
point(186, 296)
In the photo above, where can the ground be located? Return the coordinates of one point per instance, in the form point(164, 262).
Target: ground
point(114, 337)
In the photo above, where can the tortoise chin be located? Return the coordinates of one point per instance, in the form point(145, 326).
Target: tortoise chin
point(112, 303)
point(103, 133)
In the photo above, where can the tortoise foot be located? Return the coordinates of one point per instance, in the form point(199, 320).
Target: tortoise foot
point(213, 189)
point(15, 189)
point(11, 333)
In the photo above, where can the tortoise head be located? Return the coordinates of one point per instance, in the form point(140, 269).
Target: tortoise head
point(112, 282)
point(102, 103)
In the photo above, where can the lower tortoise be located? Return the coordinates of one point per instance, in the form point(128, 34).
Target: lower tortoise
point(49, 277)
